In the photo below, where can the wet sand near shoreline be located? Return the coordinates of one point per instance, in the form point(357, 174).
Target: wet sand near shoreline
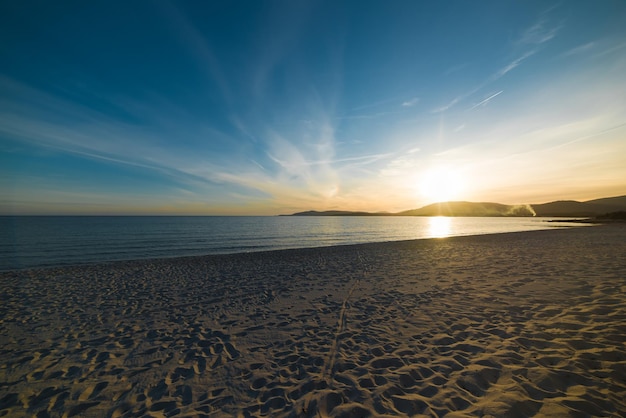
point(519, 324)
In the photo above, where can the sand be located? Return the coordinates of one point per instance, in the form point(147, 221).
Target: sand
point(523, 324)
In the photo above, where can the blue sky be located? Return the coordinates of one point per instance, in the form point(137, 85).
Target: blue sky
point(268, 107)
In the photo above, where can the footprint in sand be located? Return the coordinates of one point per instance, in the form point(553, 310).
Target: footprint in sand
point(92, 391)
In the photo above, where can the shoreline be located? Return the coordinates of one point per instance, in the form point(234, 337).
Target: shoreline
point(529, 322)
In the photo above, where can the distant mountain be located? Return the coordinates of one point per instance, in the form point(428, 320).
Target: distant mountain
point(574, 208)
point(610, 201)
point(470, 209)
point(568, 208)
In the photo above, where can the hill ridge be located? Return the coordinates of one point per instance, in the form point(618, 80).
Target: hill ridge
point(557, 208)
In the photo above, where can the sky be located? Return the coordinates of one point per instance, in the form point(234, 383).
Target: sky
point(273, 107)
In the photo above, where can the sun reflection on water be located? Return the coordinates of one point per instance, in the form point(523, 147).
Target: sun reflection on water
point(439, 226)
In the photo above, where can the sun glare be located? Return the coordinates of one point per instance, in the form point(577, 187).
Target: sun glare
point(439, 226)
point(441, 185)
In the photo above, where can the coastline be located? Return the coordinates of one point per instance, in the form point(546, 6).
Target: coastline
point(525, 322)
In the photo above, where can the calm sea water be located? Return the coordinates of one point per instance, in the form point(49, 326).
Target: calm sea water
point(57, 241)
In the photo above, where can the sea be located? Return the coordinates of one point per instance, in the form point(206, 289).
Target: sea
point(52, 241)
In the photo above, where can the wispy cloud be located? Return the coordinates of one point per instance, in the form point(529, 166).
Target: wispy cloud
point(100, 144)
point(581, 49)
point(487, 100)
point(295, 166)
point(498, 74)
point(534, 36)
point(450, 104)
point(455, 69)
point(596, 48)
point(612, 49)
point(412, 102)
point(31, 116)
point(288, 22)
point(192, 38)
point(460, 98)
point(401, 166)
point(363, 159)
point(513, 64)
point(539, 33)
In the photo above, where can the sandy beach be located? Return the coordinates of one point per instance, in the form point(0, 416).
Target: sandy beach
point(521, 324)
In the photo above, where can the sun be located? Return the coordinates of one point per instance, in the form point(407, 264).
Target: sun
point(441, 184)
